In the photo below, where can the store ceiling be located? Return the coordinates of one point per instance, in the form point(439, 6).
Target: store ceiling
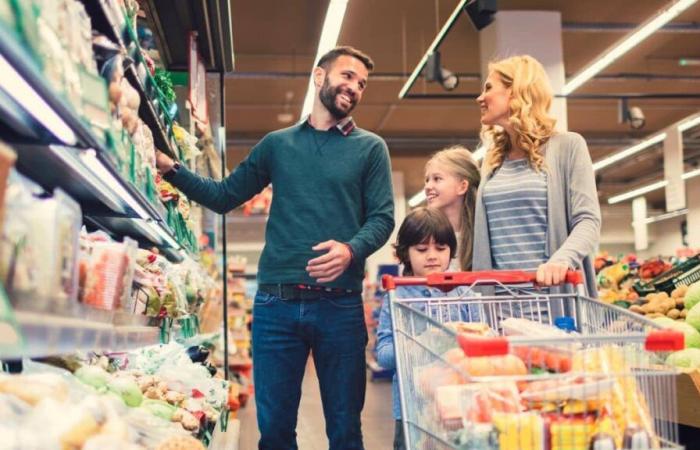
point(275, 43)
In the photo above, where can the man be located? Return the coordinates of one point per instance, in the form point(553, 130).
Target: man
point(332, 207)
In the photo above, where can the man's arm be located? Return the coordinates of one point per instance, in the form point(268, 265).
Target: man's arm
point(379, 206)
point(249, 178)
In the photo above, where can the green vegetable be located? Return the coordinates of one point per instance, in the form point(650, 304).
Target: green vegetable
point(538, 371)
point(127, 389)
point(693, 317)
point(692, 296)
point(93, 376)
point(622, 304)
point(692, 336)
point(688, 358)
point(159, 408)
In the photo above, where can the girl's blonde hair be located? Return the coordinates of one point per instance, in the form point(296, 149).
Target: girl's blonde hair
point(460, 162)
point(531, 97)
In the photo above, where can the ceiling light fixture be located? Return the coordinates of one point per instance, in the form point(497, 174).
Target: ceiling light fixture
point(605, 162)
point(17, 87)
point(670, 215)
point(688, 124)
point(329, 38)
point(661, 18)
point(417, 199)
point(649, 188)
point(431, 49)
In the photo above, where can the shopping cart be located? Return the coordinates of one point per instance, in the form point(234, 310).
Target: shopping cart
point(493, 372)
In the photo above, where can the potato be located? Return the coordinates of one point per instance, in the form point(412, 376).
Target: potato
point(673, 314)
point(654, 315)
point(636, 309)
point(680, 302)
point(684, 313)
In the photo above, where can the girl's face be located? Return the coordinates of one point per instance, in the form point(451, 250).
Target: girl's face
point(494, 101)
point(442, 187)
point(429, 257)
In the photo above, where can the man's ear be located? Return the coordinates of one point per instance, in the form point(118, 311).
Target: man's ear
point(319, 76)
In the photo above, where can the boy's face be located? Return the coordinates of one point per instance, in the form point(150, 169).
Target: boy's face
point(429, 257)
point(343, 85)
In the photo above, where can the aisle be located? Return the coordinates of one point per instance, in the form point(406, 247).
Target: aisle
point(377, 424)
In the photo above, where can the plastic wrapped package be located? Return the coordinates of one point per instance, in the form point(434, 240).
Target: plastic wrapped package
point(39, 250)
point(109, 274)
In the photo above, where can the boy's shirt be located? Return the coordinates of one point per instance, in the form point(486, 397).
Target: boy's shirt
point(386, 355)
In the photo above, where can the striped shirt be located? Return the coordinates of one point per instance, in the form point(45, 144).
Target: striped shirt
point(515, 198)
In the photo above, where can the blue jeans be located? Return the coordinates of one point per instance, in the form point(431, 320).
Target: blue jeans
point(284, 331)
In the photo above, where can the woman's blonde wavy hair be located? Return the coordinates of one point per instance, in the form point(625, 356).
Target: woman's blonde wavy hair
point(531, 97)
point(460, 163)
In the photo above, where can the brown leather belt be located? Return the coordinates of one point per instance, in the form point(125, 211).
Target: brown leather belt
point(304, 292)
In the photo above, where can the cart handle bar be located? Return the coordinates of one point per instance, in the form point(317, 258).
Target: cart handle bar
point(655, 341)
point(449, 280)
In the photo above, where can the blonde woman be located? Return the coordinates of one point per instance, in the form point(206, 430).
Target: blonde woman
point(537, 207)
point(451, 180)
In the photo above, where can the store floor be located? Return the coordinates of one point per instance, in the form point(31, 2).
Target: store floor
point(377, 422)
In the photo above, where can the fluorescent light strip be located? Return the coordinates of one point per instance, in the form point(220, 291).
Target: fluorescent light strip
point(417, 199)
point(642, 32)
point(419, 68)
point(329, 38)
point(637, 192)
point(648, 188)
point(17, 88)
point(166, 236)
point(89, 158)
point(688, 124)
point(670, 215)
point(605, 162)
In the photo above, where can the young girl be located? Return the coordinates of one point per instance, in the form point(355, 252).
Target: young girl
point(451, 182)
point(425, 244)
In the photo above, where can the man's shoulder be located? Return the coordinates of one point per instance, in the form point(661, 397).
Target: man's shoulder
point(283, 133)
point(361, 133)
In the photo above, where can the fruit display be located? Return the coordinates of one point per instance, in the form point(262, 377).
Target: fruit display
point(142, 400)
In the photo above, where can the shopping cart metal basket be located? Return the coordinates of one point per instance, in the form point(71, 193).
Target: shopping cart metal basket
point(493, 372)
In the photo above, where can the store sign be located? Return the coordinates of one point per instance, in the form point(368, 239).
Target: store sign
point(673, 169)
point(198, 83)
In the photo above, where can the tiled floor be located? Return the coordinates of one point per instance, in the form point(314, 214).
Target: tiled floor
point(377, 423)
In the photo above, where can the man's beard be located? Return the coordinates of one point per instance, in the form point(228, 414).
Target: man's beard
point(328, 96)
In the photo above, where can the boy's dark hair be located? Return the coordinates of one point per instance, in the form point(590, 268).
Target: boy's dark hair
point(329, 58)
point(417, 228)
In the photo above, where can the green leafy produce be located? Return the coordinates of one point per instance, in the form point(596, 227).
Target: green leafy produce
point(688, 358)
point(159, 408)
point(93, 376)
point(692, 295)
point(692, 336)
point(127, 389)
point(693, 317)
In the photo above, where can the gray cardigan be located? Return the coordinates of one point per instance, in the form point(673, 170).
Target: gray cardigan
point(573, 212)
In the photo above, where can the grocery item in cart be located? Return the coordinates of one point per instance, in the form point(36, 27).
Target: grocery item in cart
point(625, 403)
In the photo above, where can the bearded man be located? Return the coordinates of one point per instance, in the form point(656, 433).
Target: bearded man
point(332, 207)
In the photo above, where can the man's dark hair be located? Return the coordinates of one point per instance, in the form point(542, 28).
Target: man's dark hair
point(329, 58)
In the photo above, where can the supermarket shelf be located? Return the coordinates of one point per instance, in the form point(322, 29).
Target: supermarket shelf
point(102, 20)
point(148, 114)
point(23, 81)
point(171, 22)
point(55, 335)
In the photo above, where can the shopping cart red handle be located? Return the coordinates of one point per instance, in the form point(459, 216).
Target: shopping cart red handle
point(449, 280)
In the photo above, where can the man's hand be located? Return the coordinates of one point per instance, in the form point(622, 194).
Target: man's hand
point(552, 273)
point(330, 266)
point(164, 163)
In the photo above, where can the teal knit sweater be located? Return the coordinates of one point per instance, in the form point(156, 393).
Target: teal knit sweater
point(325, 186)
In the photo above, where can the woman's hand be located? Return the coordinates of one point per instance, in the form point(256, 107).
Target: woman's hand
point(552, 273)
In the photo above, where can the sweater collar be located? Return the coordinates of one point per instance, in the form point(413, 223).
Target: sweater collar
point(345, 126)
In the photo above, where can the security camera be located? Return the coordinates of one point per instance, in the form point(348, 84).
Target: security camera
point(635, 117)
